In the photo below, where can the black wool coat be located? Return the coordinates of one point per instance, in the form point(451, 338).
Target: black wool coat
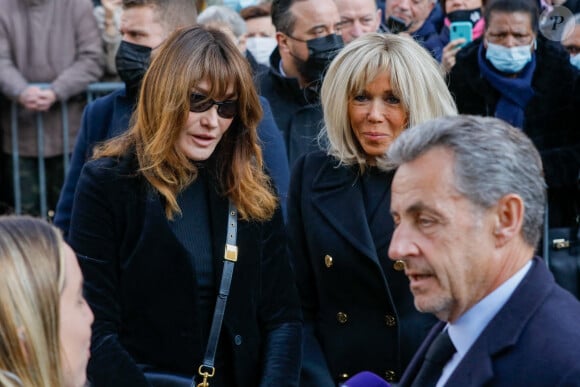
point(358, 309)
point(141, 286)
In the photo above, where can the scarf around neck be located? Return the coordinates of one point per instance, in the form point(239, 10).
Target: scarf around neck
point(515, 92)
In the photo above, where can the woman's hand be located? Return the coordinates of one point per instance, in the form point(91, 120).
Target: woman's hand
point(449, 52)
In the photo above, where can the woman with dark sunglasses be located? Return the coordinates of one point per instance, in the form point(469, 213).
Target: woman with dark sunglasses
point(149, 226)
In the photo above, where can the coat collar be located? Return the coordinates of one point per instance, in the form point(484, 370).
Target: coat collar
point(337, 195)
point(506, 328)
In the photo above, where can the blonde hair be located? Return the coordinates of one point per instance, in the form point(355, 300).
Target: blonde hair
point(187, 58)
point(31, 280)
point(415, 77)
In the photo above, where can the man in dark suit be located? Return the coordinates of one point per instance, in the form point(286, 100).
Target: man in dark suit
point(468, 201)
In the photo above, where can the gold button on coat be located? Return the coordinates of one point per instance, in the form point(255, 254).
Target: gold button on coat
point(390, 320)
point(342, 317)
point(390, 375)
point(328, 260)
point(399, 265)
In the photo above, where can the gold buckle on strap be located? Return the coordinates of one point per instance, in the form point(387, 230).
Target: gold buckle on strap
point(231, 253)
point(209, 373)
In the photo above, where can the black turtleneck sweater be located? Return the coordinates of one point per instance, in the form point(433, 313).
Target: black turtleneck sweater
point(193, 230)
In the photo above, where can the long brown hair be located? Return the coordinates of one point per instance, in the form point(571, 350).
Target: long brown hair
point(187, 58)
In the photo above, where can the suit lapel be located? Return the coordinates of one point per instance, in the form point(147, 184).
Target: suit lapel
point(505, 329)
point(337, 195)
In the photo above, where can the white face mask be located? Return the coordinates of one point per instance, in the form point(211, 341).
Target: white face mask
point(575, 60)
point(261, 48)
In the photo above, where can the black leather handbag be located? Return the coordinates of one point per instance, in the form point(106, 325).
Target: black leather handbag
point(561, 251)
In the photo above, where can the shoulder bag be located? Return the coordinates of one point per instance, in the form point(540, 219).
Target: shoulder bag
point(206, 370)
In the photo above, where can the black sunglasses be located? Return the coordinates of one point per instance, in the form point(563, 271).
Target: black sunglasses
point(200, 103)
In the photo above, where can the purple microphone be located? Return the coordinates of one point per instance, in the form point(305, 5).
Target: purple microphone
point(366, 379)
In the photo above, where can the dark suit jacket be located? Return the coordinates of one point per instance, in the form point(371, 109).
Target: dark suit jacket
point(109, 116)
point(140, 283)
point(534, 340)
point(358, 309)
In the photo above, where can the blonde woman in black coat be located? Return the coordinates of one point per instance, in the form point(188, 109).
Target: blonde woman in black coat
point(358, 309)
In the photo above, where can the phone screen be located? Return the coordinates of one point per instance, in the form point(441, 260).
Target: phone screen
point(460, 30)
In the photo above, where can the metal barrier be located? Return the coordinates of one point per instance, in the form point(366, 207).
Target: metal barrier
point(93, 91)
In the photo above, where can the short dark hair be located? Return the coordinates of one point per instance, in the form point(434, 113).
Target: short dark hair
point(511, 6)
point(282, 18)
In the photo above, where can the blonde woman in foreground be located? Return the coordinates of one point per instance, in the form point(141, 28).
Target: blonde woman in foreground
point(45, 323)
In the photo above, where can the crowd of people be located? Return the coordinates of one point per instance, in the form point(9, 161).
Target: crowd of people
point(379, 185)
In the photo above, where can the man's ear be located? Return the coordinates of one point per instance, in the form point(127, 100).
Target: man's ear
point(282, 40)
point(509, 219)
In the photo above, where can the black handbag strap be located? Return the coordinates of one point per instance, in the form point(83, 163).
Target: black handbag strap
point(206, 369)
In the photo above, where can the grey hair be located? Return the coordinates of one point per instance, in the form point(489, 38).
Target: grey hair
point(415, 77)
point(492, 159)
point(571, 25)
point(223, 15)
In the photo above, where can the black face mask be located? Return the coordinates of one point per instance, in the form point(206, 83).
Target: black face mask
point(321, 51)
point(465, 15)
point(132, 61)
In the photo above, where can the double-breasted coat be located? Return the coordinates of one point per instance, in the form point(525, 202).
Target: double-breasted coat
point(358, 309)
